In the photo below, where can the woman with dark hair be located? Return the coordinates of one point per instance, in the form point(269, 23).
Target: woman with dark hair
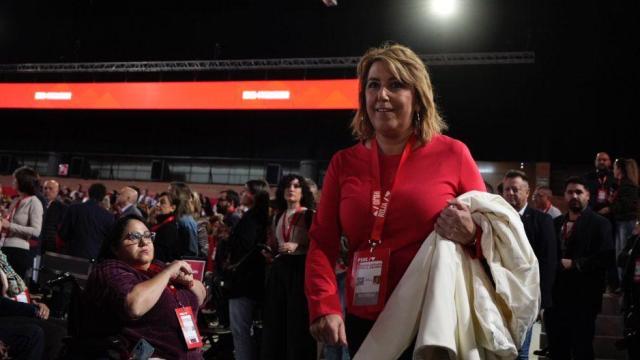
point(247, 266)
point(25, 221)
point(133, 297)
point(285, 322)
point(172, 242)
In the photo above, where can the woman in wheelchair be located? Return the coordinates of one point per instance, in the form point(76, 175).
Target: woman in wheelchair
point(132, 297)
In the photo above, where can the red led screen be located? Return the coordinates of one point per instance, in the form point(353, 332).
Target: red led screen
point(218, 95)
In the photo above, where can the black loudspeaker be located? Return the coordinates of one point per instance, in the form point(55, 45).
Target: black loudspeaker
point(159, 170)
point(79, 167)
point(274, 173)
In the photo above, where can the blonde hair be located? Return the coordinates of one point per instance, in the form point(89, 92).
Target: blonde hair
point(629, 169)
point(408, 68)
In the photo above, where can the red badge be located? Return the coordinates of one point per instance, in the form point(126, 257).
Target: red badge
point(189, 327)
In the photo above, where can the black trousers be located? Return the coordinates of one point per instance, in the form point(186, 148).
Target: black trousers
point(571, 331)
point(52, 331)
point(357, 329)
point(20, 260)
point(286, 318)
point(25, 341)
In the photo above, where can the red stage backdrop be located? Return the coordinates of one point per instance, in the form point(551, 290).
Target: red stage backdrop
point(213, 95)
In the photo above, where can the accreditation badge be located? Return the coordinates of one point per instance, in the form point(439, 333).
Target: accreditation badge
point(602, 195)
point(189, 327)
point(370, 278)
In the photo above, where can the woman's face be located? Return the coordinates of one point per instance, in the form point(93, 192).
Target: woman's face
point(616, 171)
point(164, 205)
point(293, 192)
point(246, 198)
point(389, 102)
point(136, 247)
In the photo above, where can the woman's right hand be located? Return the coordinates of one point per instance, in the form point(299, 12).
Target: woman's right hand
point(329, 329)
point(179, 269)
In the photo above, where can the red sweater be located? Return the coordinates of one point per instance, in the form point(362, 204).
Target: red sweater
point(433, 174)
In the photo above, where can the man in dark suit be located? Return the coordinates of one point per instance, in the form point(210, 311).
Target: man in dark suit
point(85, 225)
point(539, 229)
point(54, 211)
point(127, 201)
point(586, 248)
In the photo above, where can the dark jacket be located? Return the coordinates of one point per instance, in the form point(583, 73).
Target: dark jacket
point(84, 227)
point(625, 203)
point(53, 216)
point(596, 180)
point(249, 274)
point(541, 234)
point(172, 242)
point(590, 246)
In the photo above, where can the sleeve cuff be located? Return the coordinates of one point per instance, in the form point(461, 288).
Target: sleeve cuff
point(324, 306)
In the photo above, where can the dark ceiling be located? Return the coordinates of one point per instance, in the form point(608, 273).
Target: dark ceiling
point(579, 97)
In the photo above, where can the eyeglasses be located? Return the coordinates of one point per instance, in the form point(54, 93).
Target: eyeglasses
point(136, 237)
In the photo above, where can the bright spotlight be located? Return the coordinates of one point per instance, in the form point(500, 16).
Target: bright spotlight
point(444, 8)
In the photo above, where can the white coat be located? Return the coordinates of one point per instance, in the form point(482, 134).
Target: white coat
point(447, 299)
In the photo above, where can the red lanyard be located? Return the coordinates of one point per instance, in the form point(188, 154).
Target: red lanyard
point(602, 182)
point(167, 220)
point(15, 208)
point(380, 204)
point(286, 234)
point(547, 209)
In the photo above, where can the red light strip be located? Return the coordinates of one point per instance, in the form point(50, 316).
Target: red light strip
point(218, 95)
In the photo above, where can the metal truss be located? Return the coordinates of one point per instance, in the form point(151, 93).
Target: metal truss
point(489, 58)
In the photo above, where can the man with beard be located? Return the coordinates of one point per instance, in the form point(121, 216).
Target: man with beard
point(586, 248)
point(539, 229)
point(600, 182)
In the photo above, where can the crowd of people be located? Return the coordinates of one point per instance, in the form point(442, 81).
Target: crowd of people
point(296, 270)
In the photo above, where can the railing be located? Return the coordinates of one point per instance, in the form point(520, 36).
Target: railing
point(204, 170)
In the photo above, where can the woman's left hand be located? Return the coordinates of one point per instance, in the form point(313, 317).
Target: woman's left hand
point(184, 279)
point(455, 223)
point(5, 224)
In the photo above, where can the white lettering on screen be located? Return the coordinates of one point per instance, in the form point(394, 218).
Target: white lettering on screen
point(52, 95)
point(265, 95)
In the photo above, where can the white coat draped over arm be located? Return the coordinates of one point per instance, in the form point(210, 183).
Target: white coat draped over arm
point(446, 301)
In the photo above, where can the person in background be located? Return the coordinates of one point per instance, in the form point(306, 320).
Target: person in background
point(126, 202)
point(181, 195)
point(246, 271)
point(85, 225)
point(54, 211)
point(286, 317)
point(24, 223)
point(586, 250)
point(171, 243)
point(542, 201)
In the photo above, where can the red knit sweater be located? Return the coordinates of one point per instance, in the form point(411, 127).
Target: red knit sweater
point(434, 173)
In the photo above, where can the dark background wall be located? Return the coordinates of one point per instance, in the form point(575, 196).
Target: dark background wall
point(580, 97)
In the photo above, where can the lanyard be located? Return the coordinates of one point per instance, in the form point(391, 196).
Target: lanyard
point(174, 291)
point(566, 232)
point(167, 220)
point(15, 208)
point(602, 182)
point(379, 204)
point(547, 209)
point(286, 234)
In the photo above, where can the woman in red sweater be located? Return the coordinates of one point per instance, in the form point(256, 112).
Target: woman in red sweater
point(386, 195)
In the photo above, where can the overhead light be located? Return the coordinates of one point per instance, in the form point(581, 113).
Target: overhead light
point(443, 8)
